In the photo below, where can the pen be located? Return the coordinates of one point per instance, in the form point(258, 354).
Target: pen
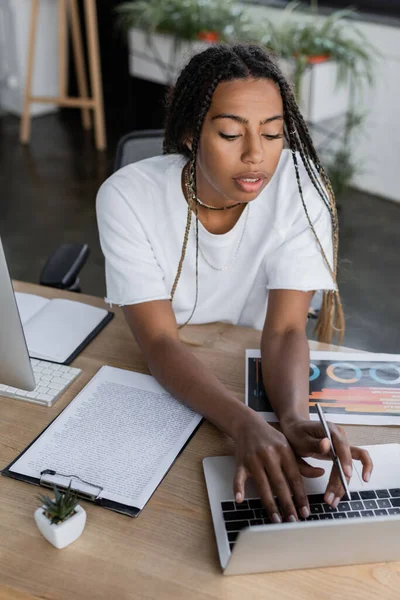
point(333, 452)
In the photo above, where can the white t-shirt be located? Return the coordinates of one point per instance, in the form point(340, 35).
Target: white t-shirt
point(142, 212)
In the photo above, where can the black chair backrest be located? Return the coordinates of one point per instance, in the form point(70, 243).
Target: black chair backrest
point(137, 146)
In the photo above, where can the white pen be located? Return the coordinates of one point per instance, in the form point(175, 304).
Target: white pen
point(335, 457)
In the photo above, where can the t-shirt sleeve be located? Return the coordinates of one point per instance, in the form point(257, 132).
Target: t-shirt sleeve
point(133, 274)
point(298, 263)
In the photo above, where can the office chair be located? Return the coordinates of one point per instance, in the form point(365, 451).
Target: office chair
point(138, 145)
point(62, 268)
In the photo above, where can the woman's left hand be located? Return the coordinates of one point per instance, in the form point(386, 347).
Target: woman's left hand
point(307, 439)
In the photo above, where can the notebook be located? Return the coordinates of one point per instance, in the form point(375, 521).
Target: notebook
point(57, 330)
point(114, 442)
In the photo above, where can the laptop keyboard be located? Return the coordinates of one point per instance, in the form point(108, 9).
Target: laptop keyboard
point(368, 503)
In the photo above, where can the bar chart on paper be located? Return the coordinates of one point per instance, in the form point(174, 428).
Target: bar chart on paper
point(352, 388)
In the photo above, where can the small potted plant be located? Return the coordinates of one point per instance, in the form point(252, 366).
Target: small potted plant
point(61, 520)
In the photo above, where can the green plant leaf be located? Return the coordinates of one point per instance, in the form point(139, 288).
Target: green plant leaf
point(63, 505)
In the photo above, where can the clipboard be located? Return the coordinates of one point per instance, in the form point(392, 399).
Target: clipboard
point(48, 476)
point(87, 491)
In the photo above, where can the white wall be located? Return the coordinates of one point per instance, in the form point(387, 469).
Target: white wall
point(14, 32)
point(378, 149)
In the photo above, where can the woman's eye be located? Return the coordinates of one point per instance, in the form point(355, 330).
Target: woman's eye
point(278, 136)
point(228, 137)
point(268, 136)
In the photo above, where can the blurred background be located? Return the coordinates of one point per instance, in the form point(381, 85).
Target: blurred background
point(344, 65)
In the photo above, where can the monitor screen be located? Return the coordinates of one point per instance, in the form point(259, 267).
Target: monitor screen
point(15, 366)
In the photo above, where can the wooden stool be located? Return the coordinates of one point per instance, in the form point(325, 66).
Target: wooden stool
point(83, 101)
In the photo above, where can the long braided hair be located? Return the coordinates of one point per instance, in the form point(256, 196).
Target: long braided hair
point(187, 105)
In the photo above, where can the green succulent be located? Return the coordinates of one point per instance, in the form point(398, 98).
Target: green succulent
point(62, 507)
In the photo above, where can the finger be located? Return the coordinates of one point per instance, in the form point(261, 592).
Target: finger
point(259, 475)
point(342, 449)
point(365, 458)
point(308, 470)
point(335, 490)
point(296, 484)
point(312, 436)
point(324, 446)
point(273, 467)
point(313, 440)
point(239, 481)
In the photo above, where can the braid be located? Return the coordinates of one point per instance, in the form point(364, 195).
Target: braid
point(187, 106)
point(185, 241)
point(193, 192)
point(331, 317)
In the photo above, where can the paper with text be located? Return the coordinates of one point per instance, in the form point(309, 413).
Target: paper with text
point(122, 432)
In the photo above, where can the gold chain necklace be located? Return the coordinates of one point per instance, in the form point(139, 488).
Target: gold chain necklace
point(228, 264)
point(188, 191)
point(186, 177)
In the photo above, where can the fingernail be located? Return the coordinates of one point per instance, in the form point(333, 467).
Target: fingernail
point(348, 470)
point(292, 518)
point(238, 497)
point(367, 476)
point(335, 502)
point(330, 498)
point(305, 513)
point(276, 518)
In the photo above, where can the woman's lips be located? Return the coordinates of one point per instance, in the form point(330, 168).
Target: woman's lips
point(249, 185)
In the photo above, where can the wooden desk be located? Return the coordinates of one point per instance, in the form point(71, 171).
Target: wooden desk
point(169, 551)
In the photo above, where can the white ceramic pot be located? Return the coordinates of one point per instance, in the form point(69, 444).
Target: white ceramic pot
point(62, 534)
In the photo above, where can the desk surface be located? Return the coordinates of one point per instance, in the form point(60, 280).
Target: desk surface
point(169, 551)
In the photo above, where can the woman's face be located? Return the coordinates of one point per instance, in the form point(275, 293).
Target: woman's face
point(241, 141)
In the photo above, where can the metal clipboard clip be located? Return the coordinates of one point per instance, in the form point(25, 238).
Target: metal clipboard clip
point(82, 488)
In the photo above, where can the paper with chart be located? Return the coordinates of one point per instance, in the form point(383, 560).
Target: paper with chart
point(122, 433)
point(353, 388)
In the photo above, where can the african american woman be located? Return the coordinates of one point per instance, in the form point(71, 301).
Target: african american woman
point(233, 224)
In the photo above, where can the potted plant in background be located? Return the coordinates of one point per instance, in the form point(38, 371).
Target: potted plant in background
point(61, 520)
point(324, 56)
point(327, 59)
point(162, 35)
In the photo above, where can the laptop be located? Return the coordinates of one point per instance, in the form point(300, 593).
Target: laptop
point(363, 530)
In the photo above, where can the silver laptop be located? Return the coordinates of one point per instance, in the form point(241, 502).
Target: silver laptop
point(363, 530)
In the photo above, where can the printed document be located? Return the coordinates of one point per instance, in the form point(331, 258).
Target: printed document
point(122, 433)
point(352, 387)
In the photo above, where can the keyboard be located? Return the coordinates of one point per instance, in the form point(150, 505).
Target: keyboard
point(368, 503)
point(51, 381)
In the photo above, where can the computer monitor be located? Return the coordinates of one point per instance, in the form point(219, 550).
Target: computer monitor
point(15, 365)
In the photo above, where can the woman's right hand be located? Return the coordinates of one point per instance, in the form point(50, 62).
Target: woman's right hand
point(263, 453)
